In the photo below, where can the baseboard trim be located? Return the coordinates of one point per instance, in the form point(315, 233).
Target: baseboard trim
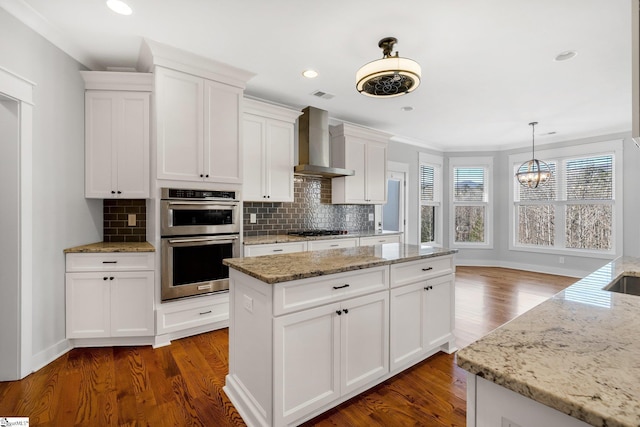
point(578, 274)
point(48, 355)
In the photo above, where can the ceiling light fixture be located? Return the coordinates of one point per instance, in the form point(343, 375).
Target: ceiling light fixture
point(310, 74)
point(534, 172)
point(119, 7)
point(390, 76)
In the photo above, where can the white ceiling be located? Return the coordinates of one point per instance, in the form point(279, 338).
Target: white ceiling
point(488, 66)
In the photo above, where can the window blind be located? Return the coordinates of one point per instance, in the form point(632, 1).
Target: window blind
point(427, 183)
point(468, 184)
point(590, 178)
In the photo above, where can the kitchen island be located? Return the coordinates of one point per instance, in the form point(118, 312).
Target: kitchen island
point(310, 330)
point(571, 361)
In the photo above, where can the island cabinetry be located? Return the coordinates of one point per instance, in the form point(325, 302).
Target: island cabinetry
point(268, 139)
point(365, 151)
point(318, 245)
point(421, 310)
point(379, 240)
point(109, 295)
point(198, 128)
point(117, 129)
point(324, 353)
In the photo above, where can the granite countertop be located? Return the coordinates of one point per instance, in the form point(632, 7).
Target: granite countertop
point(578, 352)
point(284, 238)
point(109, 247)
point(301, 265)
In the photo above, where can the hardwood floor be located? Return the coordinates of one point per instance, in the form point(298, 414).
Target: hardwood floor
point(181, 384)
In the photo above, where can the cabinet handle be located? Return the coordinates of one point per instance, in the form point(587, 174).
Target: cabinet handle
point(427, 269)
point(340, 287)
point(109, 262)
point(346, 311)
point(333, 246)
point(339, 312)
point(206, 312)
point(278, 250)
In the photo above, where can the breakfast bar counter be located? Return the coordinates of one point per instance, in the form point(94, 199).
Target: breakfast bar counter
point(577, 353)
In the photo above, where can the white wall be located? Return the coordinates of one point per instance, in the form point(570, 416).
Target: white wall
point(500, 255)
point(62, 217)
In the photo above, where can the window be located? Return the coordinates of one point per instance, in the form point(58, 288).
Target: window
point(576, 210)
point(430, 187)
point(471, 209)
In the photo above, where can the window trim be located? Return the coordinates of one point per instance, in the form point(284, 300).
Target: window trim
point(437, 162)
point(614, 147)
point(485, 162)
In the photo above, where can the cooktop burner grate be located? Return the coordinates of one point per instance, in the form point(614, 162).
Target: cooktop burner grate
point(317, 232)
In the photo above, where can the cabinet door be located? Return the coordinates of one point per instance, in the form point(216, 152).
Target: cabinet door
point(132, 304)
point(100, 118)
point(279, 170)
point(222, 149)
point(180, 130)
point(439, 311)
point(306, 354)
point(87, 304)
point(364, 343)
point(407, 324)
point(132, 145)
point(376, 173)
point(254, 155)
point(355, 159)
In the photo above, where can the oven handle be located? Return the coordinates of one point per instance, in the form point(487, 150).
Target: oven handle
point(203, 239)
point(203, 204)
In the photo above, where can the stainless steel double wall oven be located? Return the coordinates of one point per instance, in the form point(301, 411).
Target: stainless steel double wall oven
point(199, 229)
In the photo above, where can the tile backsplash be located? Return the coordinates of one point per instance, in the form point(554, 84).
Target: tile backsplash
point(310, 209)
point(115, 218)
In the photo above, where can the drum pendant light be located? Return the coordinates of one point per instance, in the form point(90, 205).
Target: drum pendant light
point(534, 172)
point(390, 76)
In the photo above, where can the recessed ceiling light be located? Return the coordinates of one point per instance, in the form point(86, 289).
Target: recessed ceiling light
point(407, 108)
point(118, 6)
point(310, 74)
point(566, 55)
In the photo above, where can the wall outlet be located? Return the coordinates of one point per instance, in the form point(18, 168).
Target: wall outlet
point(370, 217)
point(347, 217)
point(561, 260)
point(247, 303)
point(252, 218)
point(131, 220)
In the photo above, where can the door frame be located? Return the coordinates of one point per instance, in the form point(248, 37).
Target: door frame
point(392, 168)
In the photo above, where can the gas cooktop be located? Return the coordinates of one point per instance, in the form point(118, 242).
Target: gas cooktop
point(316, 232)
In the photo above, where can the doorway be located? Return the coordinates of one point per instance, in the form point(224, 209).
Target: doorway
point(393, 213)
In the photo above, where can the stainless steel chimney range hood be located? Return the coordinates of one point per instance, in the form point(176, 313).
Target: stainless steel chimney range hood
point(314, 155)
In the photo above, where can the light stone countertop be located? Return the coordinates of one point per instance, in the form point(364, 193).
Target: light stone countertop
point(285, 238)
point(110, 247)
point(578, 352)
point(301, 265)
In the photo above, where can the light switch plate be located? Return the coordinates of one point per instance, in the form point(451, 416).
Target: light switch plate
point(252, 218)
point(370, 217)
point(131, 220)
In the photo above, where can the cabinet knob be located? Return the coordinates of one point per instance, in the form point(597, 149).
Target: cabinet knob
point(339, 312)
point(113, 192)
point(426, 288)
point(201, 175)
point(346, 311)
point(111, 278)
point(104, 278)
point(119, 192)
point(206, 176)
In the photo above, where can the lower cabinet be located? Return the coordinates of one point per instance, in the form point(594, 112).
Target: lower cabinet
point(329, 351)
point(109, 295)
point(421, 319)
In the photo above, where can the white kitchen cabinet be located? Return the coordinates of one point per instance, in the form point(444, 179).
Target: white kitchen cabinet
point(323, 353)
point(268, 147)
point(104, 299)
point(379, 239)
point(318, 245)
point(421, 315)
point(275, 248)
point(117, 135)
point(365, 151)
point(198, 128)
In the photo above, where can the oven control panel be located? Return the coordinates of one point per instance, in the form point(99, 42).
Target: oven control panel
point(180, 193)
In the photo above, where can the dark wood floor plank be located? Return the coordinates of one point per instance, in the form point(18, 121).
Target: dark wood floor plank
point(181, 384)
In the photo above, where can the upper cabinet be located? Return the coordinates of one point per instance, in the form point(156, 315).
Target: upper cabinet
point(117, 134)
point(268, 145)
point(198, 135)
point(365, 151)
point(198, 102)
point(635, 69)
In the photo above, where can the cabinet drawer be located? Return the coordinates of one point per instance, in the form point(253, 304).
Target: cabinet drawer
point(129, 261)
point(182, 315)
point(274, 249)
point(318, 245)
point(306, 293)
point(379, 240)
point(409, 272)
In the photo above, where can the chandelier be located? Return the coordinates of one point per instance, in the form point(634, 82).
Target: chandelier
point(534, 172)
point(390, 76)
